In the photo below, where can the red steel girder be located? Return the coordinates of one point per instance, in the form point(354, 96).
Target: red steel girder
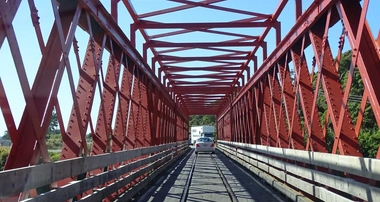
point(268, 136)
point(207, 69)
point(162, 44)
point(106, 22)
point(207, 58)
point(198, 111)
point(365, 51)
point(105, 35)
point(185, 99)
point(249, 23)
point(118, 137)
point(189, 104)
point(208, 108)
point(251, 117)
point(203, 84)
point(208, 48)
point(21, 153)
point(178, 8)
point(129, 7)
point(275, 15)
point(277, 112)
point(314, 13)
point(200, 89)
point(207, 96)
point(7, 114)
point(222, 8)
point(72, 139)
point(296, 139)
point(348, 145)
point(304, 90)
point(247, 37)
point(211, 82)
point(135, 18)
point(200, 102)
point(173, 33)
point(213, 76)
point(366, 57)
point(144, 24)
point(204, 30)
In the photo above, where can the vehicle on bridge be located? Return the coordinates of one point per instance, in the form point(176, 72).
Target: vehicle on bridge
point(204, 144)
point(201, 131)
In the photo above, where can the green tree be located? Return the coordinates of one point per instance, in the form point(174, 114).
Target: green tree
point(6, 135)
point(369, 143)
point(200, 120)
point(4, 152)
point(53, 126)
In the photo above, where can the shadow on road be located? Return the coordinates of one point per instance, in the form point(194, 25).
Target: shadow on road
point(161, 191)
point(252, 189)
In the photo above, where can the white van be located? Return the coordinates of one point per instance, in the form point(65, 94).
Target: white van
point(201, 131)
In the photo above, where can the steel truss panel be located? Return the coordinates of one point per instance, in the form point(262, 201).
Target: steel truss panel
point(132, 108)
point(139, 109)
point(284, 108)
point(240, 58)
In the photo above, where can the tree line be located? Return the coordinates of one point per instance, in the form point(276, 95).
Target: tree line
point(202, 120)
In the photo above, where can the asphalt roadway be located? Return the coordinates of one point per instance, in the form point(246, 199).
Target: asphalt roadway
point(206, 184)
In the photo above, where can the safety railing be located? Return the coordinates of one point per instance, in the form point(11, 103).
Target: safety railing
point(324, 176)
point(139, 168)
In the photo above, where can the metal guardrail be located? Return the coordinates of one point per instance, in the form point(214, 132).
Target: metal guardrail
point(273, 165)
point(19, 180)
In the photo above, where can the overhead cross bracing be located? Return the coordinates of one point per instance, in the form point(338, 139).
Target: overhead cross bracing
point(222, 55)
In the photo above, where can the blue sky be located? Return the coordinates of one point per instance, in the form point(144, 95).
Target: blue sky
point(31, 53)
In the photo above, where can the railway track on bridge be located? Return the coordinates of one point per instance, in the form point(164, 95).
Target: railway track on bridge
point(193, 170)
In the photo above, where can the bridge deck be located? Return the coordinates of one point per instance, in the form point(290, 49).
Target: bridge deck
point(207, 183)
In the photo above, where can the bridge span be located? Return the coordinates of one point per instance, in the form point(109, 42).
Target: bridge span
point(97, 98)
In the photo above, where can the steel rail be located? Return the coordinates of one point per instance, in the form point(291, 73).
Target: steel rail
point(185, 192)
point(224, 180)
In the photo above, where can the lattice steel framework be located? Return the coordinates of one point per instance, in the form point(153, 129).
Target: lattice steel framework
point(144, 114)
point(204, 97)
point(269, 109)
point(273, 110)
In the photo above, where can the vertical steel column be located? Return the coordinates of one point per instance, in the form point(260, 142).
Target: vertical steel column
point(298, 8)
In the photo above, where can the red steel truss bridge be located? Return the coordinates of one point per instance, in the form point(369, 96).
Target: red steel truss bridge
point(294, 86)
